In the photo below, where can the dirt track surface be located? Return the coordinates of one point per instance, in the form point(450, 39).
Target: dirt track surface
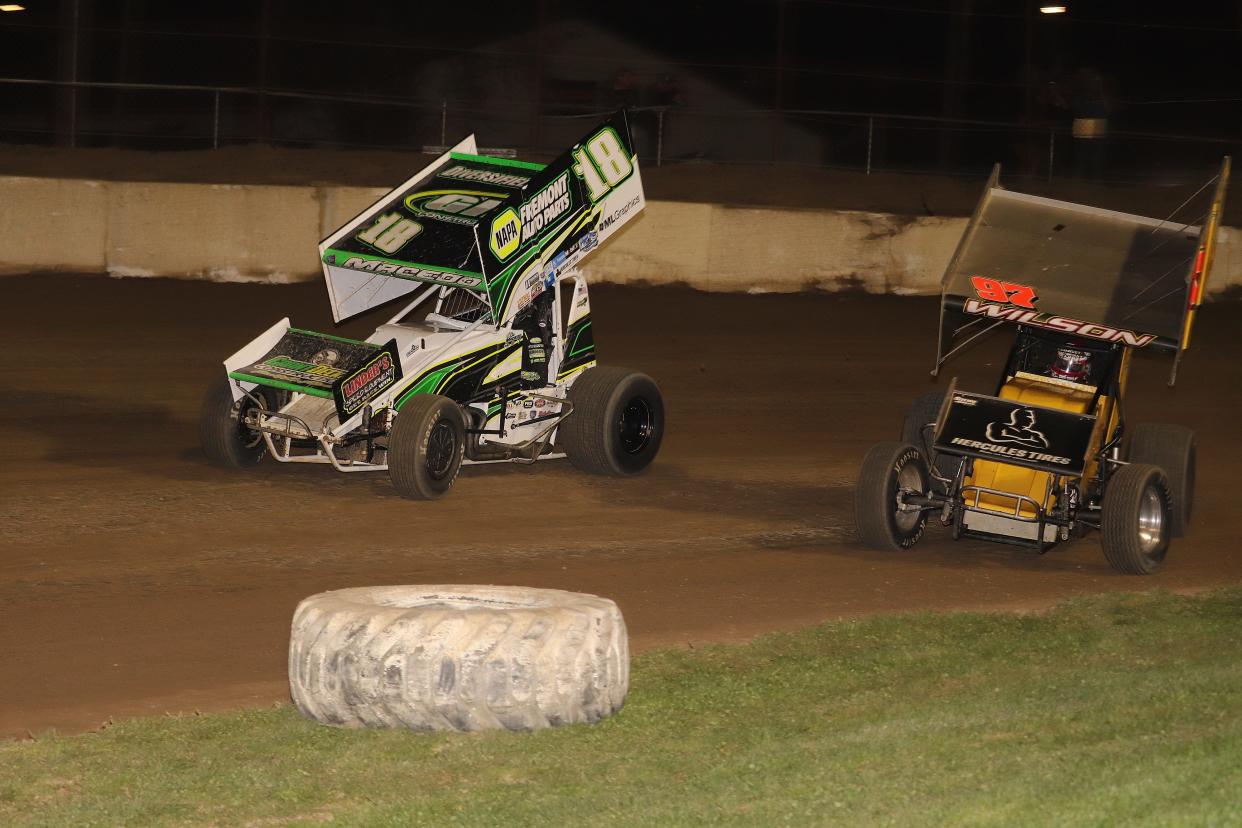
point(136, 579)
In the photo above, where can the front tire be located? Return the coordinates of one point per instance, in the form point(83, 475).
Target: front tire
point(222, 431)
point(887, 470)
point(425, 447)
point(1172, 448)
point(1137, 519)
point(617, 422)
point(918, 430)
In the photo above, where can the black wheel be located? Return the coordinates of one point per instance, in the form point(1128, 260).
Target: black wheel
point(918, 430)
point(1136, 523)
point(1172, 448)
point(222, 431)
point(887, 470)
point(426, 446)
point(617, 421)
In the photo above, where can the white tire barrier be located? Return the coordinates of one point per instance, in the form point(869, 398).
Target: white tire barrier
point(457, 657)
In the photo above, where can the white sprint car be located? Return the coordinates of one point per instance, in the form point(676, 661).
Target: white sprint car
point(493, 359)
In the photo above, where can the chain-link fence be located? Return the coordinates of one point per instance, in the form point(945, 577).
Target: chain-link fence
point(179, 117)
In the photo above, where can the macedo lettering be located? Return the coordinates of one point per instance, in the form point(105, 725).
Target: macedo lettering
point(409, 272)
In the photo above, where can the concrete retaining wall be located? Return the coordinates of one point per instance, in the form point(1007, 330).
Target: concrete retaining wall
point(265, 233)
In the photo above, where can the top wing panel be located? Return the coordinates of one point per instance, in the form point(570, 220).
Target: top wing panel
point(501, 229)
point(1032, 259)
point(422, 231)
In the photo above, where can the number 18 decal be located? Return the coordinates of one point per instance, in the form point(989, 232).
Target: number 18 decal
point(602, 163)
point(1007, 293)
point(390, 232)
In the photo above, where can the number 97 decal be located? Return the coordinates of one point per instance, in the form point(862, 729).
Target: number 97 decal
point(1007, 293)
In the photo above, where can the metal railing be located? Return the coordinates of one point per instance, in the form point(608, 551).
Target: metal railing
point(182, 116)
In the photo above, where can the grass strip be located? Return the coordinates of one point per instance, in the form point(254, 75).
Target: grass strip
point(1107, 710)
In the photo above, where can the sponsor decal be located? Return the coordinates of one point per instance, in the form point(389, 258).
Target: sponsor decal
point(553, 267)
point(486, 176)
point(453, 206)
point(1008, 451)
point(283, 367)
point(532, 286)
point(406, 271)
point(528, 404)
point(588, 241)
point(1046, 438)
point(413, 347)
point(1020, 429)
point(506, 234)
point(514, 338)
point(618, 214)
point(381, 371)
point(545, 207)
point(540, 403)
point(1064, 324)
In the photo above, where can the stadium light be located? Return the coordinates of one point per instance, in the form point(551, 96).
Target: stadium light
point(8, 7)
point(1052, 9)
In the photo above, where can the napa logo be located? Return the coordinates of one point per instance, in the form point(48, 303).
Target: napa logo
point(453, 206)
point(506, 234)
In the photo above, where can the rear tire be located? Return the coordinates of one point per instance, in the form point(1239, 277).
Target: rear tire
point(617, 422)
point(225, 439)
point(1172, 448)
point(887, 469)
point(426, 446)
point(1136, 521)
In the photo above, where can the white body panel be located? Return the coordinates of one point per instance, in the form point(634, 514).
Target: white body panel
point(253, 351)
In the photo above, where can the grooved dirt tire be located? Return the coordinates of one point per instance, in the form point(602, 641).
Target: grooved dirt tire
point(1172, 448)
point(617, 421)
point(887, 468)
point(426, 446)
point(224, 439)
point(914, 430)
point(1136, 521)
point(457, 657)
point(925, 409)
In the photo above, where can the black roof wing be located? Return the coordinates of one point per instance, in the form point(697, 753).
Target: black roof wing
point(1078, 269)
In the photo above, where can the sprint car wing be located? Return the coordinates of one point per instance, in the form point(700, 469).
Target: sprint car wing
point(496, 227)
point(422, 231)
point(1078, 269)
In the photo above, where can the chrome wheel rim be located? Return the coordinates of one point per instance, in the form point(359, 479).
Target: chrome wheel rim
point(1151, 521)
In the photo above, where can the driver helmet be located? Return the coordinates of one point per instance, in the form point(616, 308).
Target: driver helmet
point(1072, 363)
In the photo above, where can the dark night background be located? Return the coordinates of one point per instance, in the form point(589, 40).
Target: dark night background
point(899, 84)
